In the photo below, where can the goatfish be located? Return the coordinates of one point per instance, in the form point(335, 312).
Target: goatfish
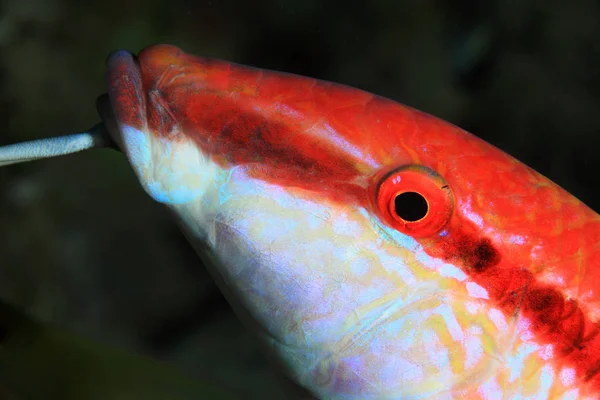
point(376, 251)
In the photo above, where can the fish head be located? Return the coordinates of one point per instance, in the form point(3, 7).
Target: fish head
point(377, 251)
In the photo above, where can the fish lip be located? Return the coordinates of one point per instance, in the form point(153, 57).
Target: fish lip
point(119, 63)
point(117, 54)
point(125, 101)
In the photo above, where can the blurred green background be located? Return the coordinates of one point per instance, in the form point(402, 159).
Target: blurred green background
point(83, 247)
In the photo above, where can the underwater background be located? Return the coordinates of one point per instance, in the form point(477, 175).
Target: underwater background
point(82, 246)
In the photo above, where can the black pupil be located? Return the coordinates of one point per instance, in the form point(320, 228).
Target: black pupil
point(410, 206)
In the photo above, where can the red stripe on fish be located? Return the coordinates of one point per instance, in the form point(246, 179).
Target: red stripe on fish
point(516, 289)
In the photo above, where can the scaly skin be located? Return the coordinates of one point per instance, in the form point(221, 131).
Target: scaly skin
point(277, 180)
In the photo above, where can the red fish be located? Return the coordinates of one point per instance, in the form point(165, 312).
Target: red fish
point(377, 251)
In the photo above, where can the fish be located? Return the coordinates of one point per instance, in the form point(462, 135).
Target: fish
point(376, 251)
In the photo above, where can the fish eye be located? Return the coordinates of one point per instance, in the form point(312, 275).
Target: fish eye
point(415, 200)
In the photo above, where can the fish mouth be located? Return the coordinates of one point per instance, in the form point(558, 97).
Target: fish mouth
point(171, 168)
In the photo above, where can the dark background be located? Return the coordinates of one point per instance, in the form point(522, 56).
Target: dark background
point(82, 246)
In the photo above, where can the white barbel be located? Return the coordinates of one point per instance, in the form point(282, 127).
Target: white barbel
point(94, 138)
